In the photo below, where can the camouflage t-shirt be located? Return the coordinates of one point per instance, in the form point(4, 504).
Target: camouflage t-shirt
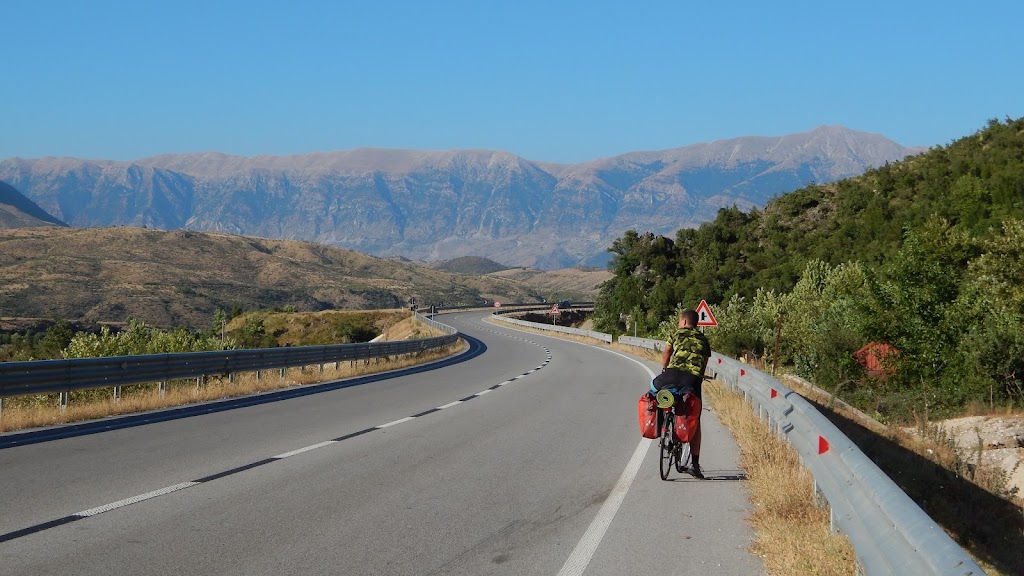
point(689, 349)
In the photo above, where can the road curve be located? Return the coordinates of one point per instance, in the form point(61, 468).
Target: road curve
point(524, 459)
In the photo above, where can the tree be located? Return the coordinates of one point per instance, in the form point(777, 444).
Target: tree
point(644, 268)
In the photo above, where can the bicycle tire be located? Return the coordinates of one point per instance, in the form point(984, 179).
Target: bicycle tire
point(667, 447)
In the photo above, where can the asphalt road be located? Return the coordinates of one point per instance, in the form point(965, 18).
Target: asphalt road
point(532, 465)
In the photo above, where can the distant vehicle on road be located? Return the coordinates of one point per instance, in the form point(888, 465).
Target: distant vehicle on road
point(564, 304)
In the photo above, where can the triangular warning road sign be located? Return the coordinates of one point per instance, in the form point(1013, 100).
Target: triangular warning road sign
point(704, 315)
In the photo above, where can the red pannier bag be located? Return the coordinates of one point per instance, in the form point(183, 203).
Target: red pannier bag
point(647, 408)
point(687, 417)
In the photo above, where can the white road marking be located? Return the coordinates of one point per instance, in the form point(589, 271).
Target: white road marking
point(183, 485)
point(134, 499)
point(584, 551)
point(396, 422)
point(306, 449)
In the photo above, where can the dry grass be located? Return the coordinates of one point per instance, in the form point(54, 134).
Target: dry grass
point(179, 278)
point(967, 497)
point(26, 413)
point(572, 283)
point(793, 533)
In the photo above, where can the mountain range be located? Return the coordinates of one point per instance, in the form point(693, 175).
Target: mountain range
point(438, 205)
point(17, 211)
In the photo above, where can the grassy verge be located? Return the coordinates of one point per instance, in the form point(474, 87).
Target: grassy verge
point(792, 532)
point(33, 412)
point(967, 499)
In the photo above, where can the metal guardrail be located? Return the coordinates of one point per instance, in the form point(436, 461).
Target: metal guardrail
point(889, 532)
point(647, 343)
point(50, 376)
point(503, 316)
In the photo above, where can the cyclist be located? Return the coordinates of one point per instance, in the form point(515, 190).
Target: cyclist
point(683, 362)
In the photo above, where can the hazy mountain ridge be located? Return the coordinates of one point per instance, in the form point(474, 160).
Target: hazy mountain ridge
point(438, 205)
point(17, 211)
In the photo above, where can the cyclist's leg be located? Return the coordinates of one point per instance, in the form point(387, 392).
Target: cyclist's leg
point(695, 440)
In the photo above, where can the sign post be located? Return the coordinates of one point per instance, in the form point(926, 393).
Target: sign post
point(704, 315)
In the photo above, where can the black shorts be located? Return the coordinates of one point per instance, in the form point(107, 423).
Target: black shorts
point(679, 382)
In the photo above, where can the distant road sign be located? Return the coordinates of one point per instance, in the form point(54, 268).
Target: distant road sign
point(704, 315)
point(555, 311)
point(497, 304)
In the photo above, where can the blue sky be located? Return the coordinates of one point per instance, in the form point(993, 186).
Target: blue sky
point(547, 80)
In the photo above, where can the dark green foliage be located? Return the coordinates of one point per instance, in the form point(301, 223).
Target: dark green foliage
point(36, 344)
point(937, 248)
point(646, 284)
point(976, 183)
point(474, 265)
point(357, 330)
point(253, 334)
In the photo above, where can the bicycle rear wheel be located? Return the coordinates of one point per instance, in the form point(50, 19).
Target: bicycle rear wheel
point(683, 457)
point(667, 447)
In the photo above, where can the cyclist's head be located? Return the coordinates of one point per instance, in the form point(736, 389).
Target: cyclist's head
point(688, 318)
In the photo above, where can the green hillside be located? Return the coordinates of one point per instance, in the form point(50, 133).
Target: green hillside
point(923, 255)
point(974, 184)
point(474, 265)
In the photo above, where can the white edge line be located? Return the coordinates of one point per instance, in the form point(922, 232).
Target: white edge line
point(484, 392)
point(306, 449)
point(450, 404)
point(584, 551)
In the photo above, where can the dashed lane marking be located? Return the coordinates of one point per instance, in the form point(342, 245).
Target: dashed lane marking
point(177, 487)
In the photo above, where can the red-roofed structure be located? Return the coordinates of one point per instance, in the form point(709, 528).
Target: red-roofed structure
point(875, 358)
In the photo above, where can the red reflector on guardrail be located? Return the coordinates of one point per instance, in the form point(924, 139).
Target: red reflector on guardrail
point(719, 360)
point(822, 445)
point(743, 372)
point(774, 393)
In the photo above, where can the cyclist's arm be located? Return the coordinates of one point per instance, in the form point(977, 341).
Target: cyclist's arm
point(666, 355)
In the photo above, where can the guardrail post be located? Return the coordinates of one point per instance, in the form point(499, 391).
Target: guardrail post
point(258, 375)
point(200, 381)
point(117, 394)
point(282, 372)
point(62, 400)
point(231, 377)
point(162, 387)
point(818, 495)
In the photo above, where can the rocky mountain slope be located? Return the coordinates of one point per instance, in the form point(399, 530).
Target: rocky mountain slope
point(17, 211)
point(438, 205)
